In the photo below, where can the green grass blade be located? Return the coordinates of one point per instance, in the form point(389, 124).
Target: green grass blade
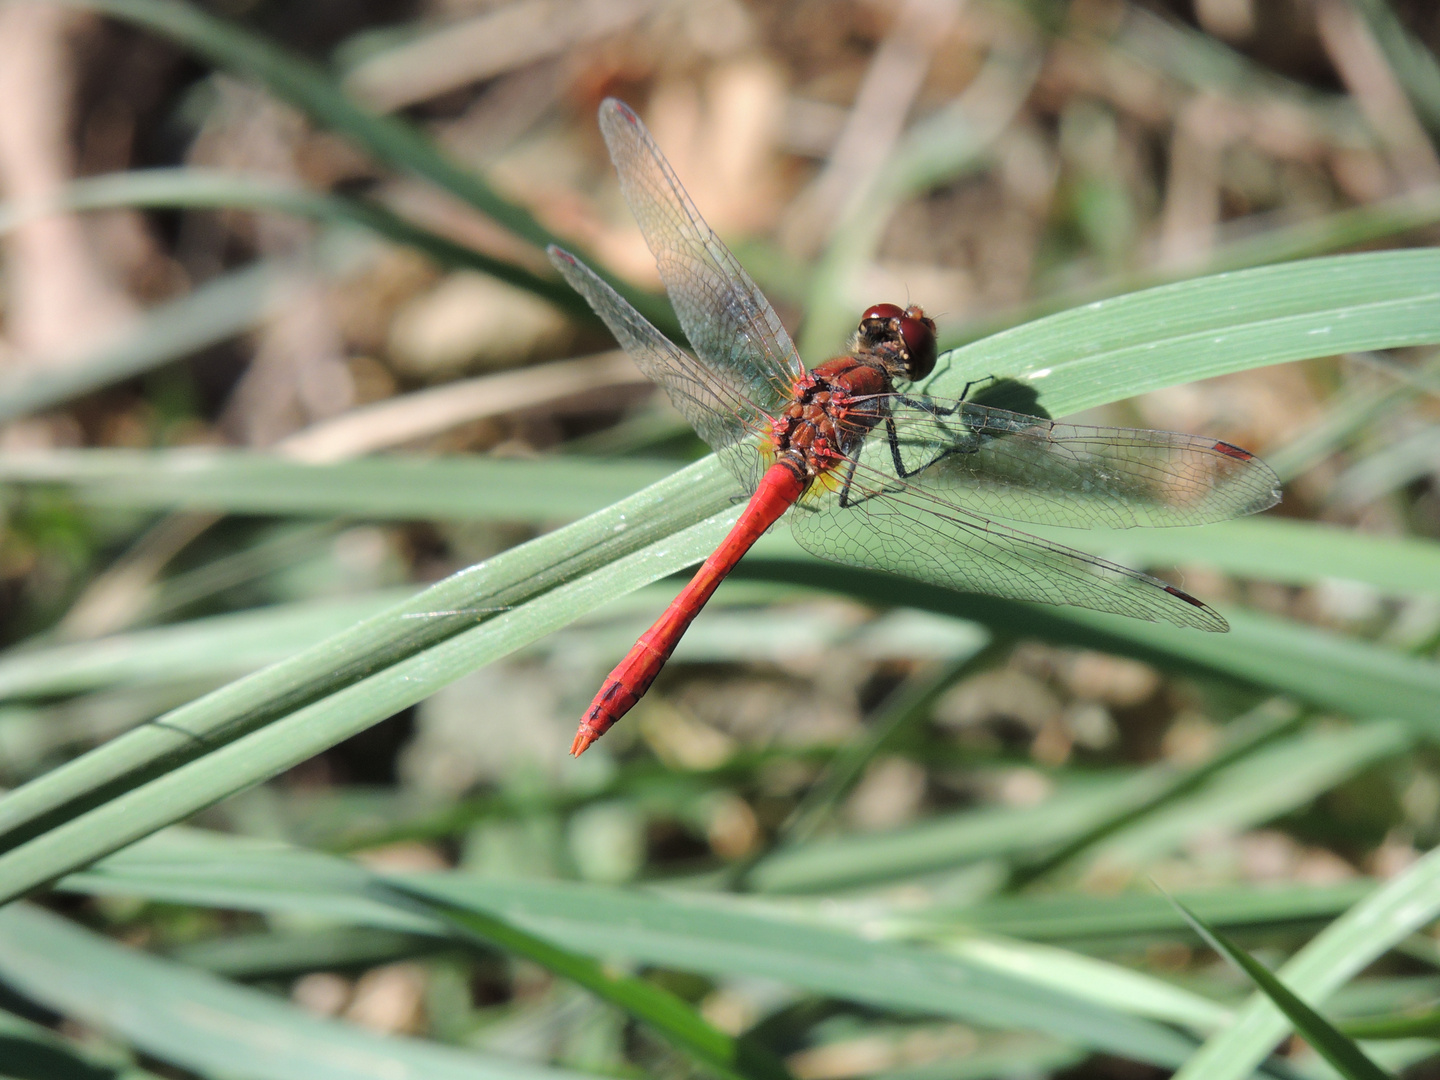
point(1349, 1060)
point(302, 84)
point(657, 1007)
point(202, 1023)
point(190, 866)
point(1387, 916)
point(1124, 989)
point(215, 311)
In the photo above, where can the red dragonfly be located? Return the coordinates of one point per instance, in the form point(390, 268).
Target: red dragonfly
point(875, 476)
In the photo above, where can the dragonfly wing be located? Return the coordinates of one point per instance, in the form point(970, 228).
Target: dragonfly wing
point(1009, 465)
point(905, 531)
point(729, 322)
point(718, 409)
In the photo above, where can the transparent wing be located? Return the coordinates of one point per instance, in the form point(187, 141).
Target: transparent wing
point(729, 322)
point(1009, 465)
point(906, 531)
point(716, 407)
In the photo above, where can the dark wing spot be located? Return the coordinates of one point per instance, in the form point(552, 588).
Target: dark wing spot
point(1230, 450)
point(1173, 591)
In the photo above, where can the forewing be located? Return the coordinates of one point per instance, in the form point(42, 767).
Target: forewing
point(907, 532)
point(730, 324)
point(1009, 465)
point(716, 407)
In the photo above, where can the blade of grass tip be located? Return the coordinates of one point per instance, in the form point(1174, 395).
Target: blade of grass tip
point(1243, 737)
point(433, 616)
point(307, 87)
point(219, 309)
point(1341, 1052)
point(665, 1013)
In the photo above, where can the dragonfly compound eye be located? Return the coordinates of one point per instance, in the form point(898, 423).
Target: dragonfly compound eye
point(918, 332)
point(883, 311)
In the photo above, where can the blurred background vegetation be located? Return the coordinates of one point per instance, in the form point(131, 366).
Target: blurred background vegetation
point(279, 348)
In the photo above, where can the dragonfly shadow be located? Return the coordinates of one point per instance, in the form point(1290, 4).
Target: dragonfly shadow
point(1010, 394)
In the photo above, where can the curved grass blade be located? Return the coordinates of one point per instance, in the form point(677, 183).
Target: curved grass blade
point(186, 777)
point(1341, 1052)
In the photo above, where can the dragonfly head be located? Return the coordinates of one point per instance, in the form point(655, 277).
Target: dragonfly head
point(903, 339)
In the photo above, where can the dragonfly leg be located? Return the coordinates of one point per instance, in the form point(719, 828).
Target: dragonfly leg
point(852, 465)
point(932, 407)
point(893, 438)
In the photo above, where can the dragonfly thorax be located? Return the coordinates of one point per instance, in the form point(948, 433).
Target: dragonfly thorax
point(830, 412)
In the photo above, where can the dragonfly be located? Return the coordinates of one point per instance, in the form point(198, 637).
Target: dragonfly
point(872, 474)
